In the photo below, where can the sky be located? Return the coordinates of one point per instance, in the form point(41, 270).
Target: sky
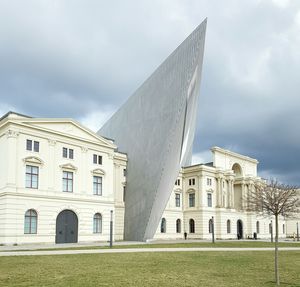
point(83, 59)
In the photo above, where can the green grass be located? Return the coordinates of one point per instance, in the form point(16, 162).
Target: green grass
point(150, 269)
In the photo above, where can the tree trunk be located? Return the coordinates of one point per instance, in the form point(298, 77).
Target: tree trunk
point(276, 251)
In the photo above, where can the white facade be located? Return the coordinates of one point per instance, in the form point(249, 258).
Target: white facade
point(50, 138)
point(217, 190)
point(37, 154)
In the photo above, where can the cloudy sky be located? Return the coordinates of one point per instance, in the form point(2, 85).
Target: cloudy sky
point(83, 59)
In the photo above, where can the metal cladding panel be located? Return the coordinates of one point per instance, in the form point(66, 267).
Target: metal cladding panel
point(156, 128)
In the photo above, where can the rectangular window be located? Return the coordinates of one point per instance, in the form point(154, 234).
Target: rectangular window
point(32, 176)
point(208, 181)
point(29, 145)
point(191, 181)
point(177, 182)
point(71, 154)
point(177, 199)
point(192, 200)
point(67, 181)
point(65, 152)
point(97, 159)
point(36, 146)
point(97, 185)
point(32, 145)
point(124, 193)
point(124, 172)
point(209, 200)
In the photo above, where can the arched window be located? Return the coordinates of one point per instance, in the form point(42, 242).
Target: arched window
point(192, 225)
point(257, 227)
point(30, 222)
point(178, 226)
point(210, 226)
point(97, 223)
point(283, 229)
point(163, 225)
point(228, 226)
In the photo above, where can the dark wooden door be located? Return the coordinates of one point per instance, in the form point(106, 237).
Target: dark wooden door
point(66, 227)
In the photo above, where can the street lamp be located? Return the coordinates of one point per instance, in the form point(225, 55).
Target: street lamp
point(213, 229)
point(111, 229)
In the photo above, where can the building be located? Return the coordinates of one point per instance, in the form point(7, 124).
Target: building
point(59, 182)
point(156, 128)
point(215, 192)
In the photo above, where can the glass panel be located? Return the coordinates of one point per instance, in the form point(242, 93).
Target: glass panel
point(71, 154)
point(36, 146)
point(29, 145)
point(95, 158)
point(65, 152)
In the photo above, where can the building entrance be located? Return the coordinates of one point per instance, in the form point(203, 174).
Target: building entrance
point(239, 229)
point(66, 227)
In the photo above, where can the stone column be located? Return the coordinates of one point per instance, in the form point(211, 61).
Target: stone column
point(51, 165)
point(84, 172)
point(218, 193)
point(12, 157)
point(231, 192)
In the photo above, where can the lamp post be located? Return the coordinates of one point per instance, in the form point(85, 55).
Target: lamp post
point(111, 229)
point(297, 231)
point(271, 229)
point(213, 229)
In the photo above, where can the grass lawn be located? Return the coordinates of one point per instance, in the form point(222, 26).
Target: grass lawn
point(150, 269)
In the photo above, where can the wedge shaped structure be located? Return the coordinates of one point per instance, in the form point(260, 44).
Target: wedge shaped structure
point(156, 128)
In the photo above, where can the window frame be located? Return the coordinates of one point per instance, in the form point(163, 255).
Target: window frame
point(192, 199)
point(209, 199)
point(31, 175)
point(68, 180)
point(177, 200)
point(163, 225)
point(97, 223)
point(98, 183)
point(30, 215)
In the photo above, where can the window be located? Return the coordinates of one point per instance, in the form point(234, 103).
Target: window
point(209, 200)
point(208, 181)
point(177, 199)
point(191, 181)
point(30, 222)
point(163, 225)
point(228, 226)
point(192, 200)
point(67, 181)
point(257, 227)
point(32, 145)
point(270, 228)
point(177, 182)
point(283, 229)
point(124, 172)
point(32, 176)
point(124, 193)
point(97, 185)
point(97, 223)
point(210, 226)
point(97, 159)
point(68, 153)
point(178, 226)
point(192, 225)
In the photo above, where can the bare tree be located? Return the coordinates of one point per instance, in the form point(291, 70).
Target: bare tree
point(274, 199)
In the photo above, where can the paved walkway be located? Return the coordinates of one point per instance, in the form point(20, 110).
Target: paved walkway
point(139, 250)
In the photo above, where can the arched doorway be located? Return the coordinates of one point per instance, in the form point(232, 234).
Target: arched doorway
point(239, 229)
point(66, 227)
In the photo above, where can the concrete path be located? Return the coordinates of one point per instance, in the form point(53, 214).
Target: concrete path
point(139, 250)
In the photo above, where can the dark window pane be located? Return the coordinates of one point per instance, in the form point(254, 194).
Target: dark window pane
point(29, 144)
point(95, 159)
point(99, 159)
point(36, 146)
point(65, 152)
point(71, 154)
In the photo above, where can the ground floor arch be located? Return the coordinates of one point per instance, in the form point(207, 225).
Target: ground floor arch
point(66, 227)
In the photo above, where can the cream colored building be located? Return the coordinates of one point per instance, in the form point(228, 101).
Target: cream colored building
point(215, 192)
point(59, 182)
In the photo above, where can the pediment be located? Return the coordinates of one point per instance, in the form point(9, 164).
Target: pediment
point(98, 171)
point(191, 190)
point(69, 128)
point(178, 190)
point(68, 166)
point(33, 159)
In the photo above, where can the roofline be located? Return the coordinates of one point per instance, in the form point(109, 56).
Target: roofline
point(11, 112)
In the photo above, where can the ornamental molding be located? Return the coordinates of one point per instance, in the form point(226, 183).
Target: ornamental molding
point(210, 190)
point(52, 142)
point(98, 171)
point(68, 166)
point(33, 159)
point(190, 190)
point(12, 134)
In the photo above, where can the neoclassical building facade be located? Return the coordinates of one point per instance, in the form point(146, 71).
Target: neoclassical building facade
point(61, 182)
